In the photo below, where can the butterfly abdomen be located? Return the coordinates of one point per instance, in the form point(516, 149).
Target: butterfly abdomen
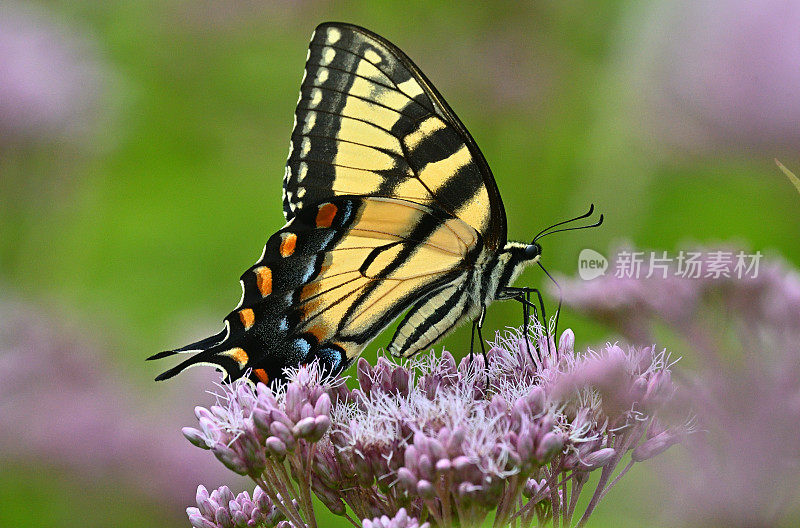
point(443, 311)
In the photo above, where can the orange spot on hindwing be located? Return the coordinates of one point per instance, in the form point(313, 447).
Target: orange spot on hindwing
point(238, 355)
point(262, 376)
point(264, 280)
point(288, 243)
point(326, 214)
point(248, 317)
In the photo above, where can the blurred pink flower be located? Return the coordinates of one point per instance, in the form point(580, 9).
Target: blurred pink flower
point(62, 404)
point(50, 78)
point(716, 73)
point(743, 335)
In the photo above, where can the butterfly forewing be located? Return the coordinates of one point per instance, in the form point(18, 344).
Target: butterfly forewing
point(369, 123)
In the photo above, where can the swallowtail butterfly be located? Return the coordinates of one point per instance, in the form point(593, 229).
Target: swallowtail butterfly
point(390, 207)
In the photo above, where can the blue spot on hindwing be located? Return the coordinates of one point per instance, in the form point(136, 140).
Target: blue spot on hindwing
point(332, 357)
point(283, 324)
point(300, 348)
point(308, 271)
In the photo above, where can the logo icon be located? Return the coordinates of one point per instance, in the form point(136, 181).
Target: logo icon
point(591, 264)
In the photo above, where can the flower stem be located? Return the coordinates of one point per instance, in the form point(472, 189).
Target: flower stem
point(616, 479)
point(291, 514)
point(531, 504)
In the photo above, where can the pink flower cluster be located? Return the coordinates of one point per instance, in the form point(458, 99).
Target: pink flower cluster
point(436, 442)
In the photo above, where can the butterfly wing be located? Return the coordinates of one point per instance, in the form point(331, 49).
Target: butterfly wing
point(389, 204)
point(368, 122)
point(331, 279)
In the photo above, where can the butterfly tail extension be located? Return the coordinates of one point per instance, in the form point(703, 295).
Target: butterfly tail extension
point(197, 346)
point(226, 363)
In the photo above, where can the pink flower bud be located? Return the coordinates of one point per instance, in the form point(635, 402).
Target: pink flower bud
point(276, 447)
point(307, 410)
point(303, 428)
point(550, 444)
point(654, 446)
point(195, 437)
point(323, 405)
point(566, 343)
point(425, 489)
point(598, 458)
point(407, 478)
point(280, 430)
point(443, 466)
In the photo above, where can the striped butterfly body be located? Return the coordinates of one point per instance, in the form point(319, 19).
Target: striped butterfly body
point(390, 208)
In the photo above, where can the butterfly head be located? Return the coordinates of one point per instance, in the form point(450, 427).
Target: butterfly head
point(533, 250)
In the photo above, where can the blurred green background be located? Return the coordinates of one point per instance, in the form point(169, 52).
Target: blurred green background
point(142, 147)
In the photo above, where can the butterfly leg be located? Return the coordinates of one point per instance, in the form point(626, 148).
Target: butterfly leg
point(480, 335)
point(523, 295)
point(478, 323)
point(545, 320)
point(472, 342)
point(526, 315)
point(527, 307)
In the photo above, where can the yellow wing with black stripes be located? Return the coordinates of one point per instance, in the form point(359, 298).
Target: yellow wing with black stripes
point(389, 205)
point(368, 122)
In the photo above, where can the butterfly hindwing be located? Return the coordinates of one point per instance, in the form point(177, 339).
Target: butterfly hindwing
point(335, 276)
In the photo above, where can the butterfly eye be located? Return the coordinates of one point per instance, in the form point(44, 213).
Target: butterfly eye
point(533, 250)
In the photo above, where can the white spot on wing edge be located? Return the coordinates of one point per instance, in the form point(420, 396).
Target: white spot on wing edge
point(333, 36)
point(322, 76)
point(216, 367)
point(316, 97)
point(372, 56)
point(311, 118)
point(241, 283)
point(302, 171)
point(306, 147)
point(327, 56)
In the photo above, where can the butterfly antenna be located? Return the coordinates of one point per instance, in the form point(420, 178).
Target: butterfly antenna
point(596, 224)
point(581, 217)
